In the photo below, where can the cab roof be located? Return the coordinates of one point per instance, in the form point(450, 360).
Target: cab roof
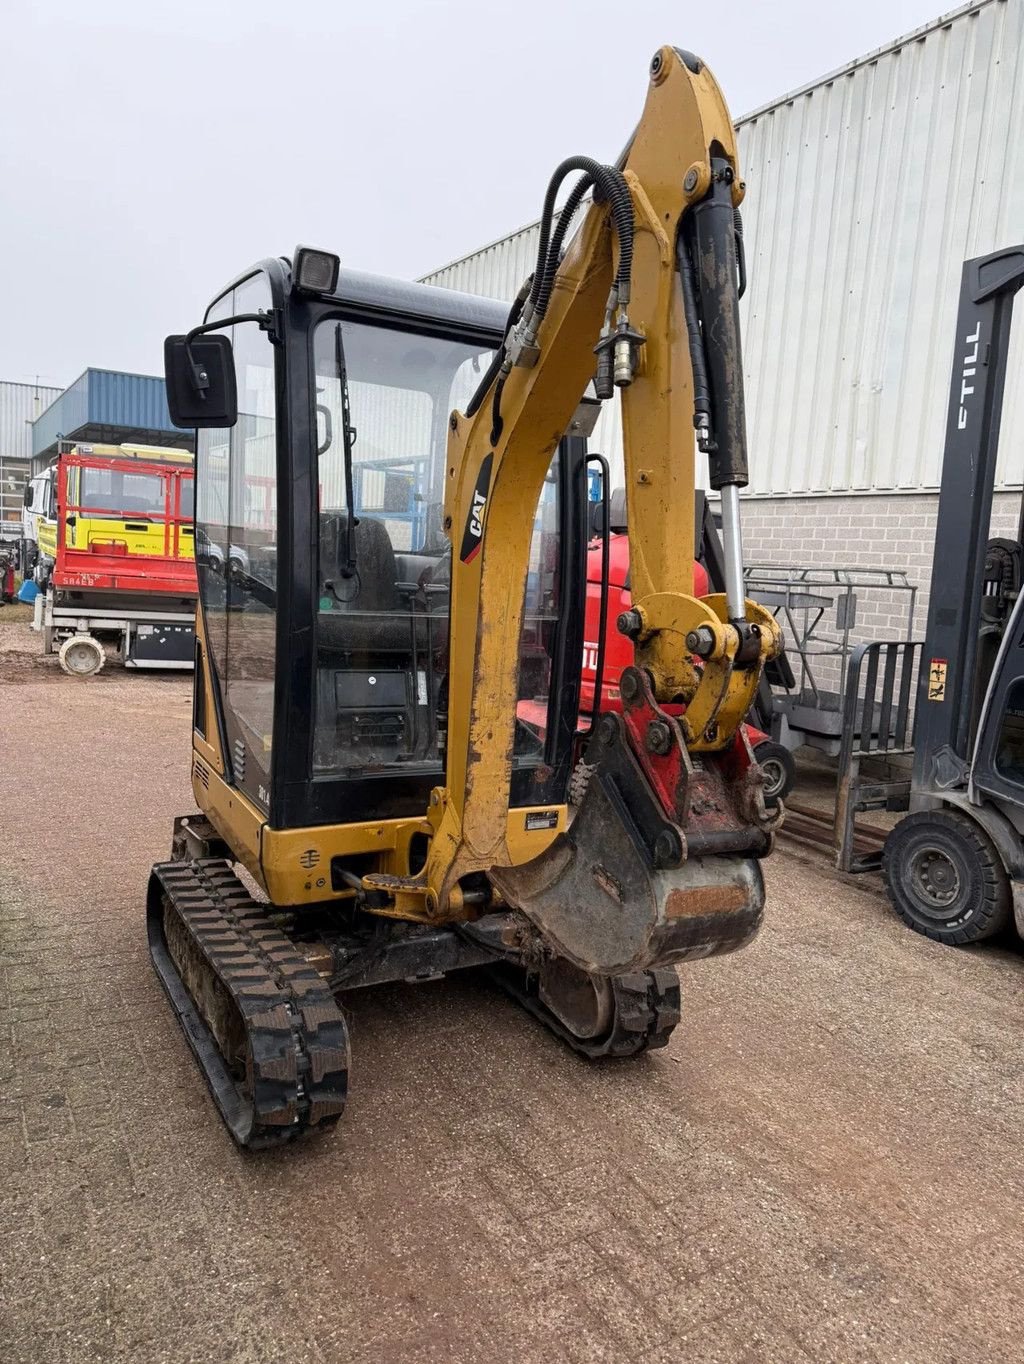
point(379, 293)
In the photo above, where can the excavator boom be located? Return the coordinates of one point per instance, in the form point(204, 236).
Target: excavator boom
point(660, 863)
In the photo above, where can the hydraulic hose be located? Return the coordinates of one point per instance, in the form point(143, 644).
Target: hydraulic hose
point(554, 255)
point(741, 253)
point(491, 372)
point(611, 184)
point(691, 312)
point(497, 424)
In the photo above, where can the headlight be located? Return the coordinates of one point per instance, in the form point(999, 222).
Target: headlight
point(315, 272)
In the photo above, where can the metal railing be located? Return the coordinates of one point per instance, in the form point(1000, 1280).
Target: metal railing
point(818, 605)
point(878, 723)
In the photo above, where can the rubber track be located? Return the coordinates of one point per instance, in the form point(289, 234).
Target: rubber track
point(647, 1008)
point(297, 1049)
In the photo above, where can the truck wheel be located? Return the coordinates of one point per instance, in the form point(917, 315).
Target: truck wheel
point(81, 656)
point(776, 762)
point(945, 878)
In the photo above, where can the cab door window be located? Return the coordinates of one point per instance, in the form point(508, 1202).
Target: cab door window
point(236, 545)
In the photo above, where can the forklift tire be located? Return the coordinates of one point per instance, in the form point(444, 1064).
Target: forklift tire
point(779, 769)
point(945, 878)
point(81, 656)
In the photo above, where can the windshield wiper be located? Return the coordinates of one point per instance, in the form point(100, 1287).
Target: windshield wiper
point(347, 567)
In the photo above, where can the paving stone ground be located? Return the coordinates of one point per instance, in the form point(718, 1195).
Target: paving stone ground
point(824, 1165)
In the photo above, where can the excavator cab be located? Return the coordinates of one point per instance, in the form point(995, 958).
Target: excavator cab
point(344, 570)
point(391, 531)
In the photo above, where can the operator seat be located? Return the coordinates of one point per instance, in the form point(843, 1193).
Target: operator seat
point(368, 612)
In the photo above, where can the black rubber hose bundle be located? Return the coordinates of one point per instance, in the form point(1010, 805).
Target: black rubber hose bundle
point(611, 185)
point(554, 256)
point(491, 372)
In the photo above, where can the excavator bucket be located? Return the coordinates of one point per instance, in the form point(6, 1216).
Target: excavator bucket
point(627, 888)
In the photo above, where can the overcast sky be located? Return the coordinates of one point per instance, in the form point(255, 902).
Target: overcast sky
point(151, 150)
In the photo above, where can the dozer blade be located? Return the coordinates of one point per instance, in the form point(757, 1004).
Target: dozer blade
point(603, 896)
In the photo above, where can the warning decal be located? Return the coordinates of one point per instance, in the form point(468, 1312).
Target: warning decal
point(937, 680)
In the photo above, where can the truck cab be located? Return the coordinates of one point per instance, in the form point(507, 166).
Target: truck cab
point(130, 503)
point(38, 504)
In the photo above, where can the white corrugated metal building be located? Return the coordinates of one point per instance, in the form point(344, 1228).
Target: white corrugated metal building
point(20, 405)
point(866, 190)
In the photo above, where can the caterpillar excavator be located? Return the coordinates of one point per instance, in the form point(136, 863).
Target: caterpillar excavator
point(404, 469)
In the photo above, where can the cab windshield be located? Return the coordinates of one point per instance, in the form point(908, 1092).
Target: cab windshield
point(401, 390)
point(382, 620)
point(112, 490)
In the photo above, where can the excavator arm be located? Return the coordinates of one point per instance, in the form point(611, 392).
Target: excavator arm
point(660, 861)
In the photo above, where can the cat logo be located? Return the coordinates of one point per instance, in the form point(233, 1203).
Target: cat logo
point(476, 516)
point(473, 536)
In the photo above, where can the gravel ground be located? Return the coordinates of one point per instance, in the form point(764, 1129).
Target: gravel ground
point(823, 1165)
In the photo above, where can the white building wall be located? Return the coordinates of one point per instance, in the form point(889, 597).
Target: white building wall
point(865, 193)
point(20, 404)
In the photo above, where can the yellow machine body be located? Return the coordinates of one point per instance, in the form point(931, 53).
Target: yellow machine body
point(468, 822)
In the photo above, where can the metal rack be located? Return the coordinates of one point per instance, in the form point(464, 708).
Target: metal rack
point(817, 608)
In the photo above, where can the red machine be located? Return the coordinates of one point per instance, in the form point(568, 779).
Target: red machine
point(776, 761)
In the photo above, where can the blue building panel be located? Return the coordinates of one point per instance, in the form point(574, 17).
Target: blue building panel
point(132, 400)
point(66, 413)
point(104, 397)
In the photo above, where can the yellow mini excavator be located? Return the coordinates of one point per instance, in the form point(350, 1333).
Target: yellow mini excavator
point(386, 702)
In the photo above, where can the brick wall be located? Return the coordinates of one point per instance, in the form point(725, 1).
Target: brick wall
point(887, 531)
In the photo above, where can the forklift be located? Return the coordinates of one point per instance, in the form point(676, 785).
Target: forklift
point(954, 703)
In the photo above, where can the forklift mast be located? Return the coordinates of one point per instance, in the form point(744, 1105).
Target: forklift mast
point(951, 685)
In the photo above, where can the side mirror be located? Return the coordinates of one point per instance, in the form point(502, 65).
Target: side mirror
point(200, 379)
